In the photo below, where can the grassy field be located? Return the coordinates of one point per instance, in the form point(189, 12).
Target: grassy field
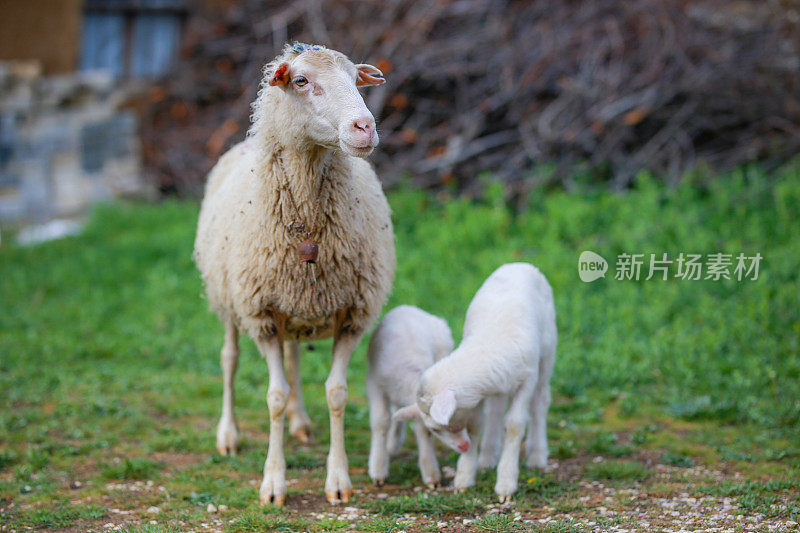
point(676, 403)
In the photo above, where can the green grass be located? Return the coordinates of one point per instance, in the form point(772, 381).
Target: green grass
point(387, 525)
point(260, 520)
point(618, 470)
point(108, 352)
point(59, 515)
point(429, 504)
point(133, 468)
point(496, 523)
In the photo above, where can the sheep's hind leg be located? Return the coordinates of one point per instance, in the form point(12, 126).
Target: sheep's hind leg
point(227, 432)
point(299, 422)
point(536, 443)
point(337, 484)
point(273, 487)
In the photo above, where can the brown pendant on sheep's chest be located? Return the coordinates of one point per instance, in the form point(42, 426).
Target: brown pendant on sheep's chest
point(307, 251)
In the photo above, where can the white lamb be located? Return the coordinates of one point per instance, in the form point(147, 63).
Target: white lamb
point(407, 342)
point(298, 189)
point(507, 354)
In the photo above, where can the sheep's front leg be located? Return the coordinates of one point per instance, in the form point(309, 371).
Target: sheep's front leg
point(227, 432)
point(337, 485)
point(273, 487)
point(467, 465)
point(428, 465)
point(379, 420)
point(515, 421)
point(299, 422)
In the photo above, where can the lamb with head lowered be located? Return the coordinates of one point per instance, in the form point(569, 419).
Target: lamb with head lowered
point(506, 356)
point(294, 242)
point(406, 342)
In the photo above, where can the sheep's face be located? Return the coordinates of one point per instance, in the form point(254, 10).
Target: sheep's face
point(324, 99)
point(441, 417)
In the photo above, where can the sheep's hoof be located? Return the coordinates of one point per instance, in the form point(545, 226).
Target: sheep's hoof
point(504, 498)
point(432, 485)
point(272, 499)
point(273, 488)
point(300, 426)
point(459, 491)
point(303, 434)
point(339, 496)
point(378, 482)
point(227, 437)
point(227, 450)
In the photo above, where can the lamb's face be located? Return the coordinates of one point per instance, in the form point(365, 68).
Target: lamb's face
point(454, 434)
point(441, 416)
point(322, 86)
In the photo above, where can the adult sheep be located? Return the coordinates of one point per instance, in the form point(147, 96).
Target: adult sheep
point(294, 242)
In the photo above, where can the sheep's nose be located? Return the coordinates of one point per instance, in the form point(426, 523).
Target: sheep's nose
point(463, 446)
point(364, 125)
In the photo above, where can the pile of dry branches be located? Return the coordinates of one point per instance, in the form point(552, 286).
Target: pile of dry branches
point(601, 87)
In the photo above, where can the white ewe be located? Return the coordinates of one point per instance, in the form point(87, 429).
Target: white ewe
point(407, 342)
point(507, 353)
point(294, 190)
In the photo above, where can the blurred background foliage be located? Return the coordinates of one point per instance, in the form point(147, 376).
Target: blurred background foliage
point(595, 88)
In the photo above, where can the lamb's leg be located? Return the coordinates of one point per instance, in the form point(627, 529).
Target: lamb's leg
point(299, 422)
point(379, 420)
point(467, 465)
point(428, 465)
point(396, 436)
point(536, 442)
point(227, 432)
point(491, 441)
point(337, 485)
point(273, 487)
point(515, 421)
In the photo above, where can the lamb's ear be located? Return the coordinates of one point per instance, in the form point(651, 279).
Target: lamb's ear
point(281, 75)
point(368, 75)
point(407, 412)
point(443, 406)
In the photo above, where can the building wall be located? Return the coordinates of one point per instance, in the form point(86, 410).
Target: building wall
point(48, 31)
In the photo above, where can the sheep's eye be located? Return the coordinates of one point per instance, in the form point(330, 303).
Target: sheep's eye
point(300, 81)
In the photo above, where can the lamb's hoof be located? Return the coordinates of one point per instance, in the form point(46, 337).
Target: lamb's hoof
point(338, 496)
point(460, 490)
point(273, 489)
point(433, 485)
point(505, 488)
point(378, 482)
point(227, 438)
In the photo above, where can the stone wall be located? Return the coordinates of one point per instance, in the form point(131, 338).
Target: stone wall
point(65, 143)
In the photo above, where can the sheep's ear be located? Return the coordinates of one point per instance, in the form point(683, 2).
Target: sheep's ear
point(407, 412)
point(368, 75)
point(443, 406)
point(281, 75)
